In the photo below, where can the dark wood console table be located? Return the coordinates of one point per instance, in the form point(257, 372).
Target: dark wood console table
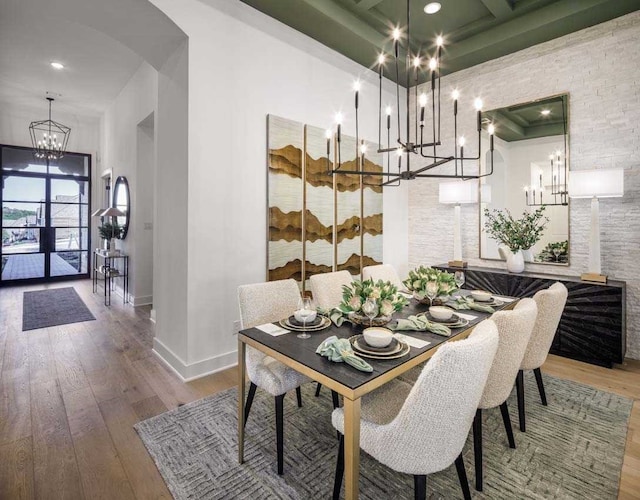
point(593, 327)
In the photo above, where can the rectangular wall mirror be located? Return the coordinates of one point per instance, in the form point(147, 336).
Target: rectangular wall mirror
point(530, 170)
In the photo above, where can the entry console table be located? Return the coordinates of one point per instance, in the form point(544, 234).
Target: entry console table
point(115, 266)
point(593, 327)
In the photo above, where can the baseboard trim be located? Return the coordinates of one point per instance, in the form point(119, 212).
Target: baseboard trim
point(143, 300)
point(193, 371)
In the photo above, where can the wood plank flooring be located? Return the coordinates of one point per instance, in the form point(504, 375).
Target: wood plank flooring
point(70, 395)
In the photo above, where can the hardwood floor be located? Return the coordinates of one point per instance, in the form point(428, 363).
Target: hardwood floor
point(70, 395)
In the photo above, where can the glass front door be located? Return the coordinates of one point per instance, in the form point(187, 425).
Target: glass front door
point(45, 217)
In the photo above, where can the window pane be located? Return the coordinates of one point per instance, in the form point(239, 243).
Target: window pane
point(69, 263)
point(20, 240)
point(72, 238)
point(15, 267)
point(21, 160)
point(23, 188)
point(71, 164)
point(63, 215)
point(69, 191)
point(16, 214)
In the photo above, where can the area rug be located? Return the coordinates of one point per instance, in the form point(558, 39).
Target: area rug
point(57, 306)
point(572, 449)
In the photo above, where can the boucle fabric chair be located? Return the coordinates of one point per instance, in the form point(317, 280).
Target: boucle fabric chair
point(514, 329)
point(327, 288)
point(384, 272)
point(551, 304)
point(421, 429)
point(265, 303)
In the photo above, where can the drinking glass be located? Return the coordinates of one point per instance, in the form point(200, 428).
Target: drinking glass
point(305, 311)
point(370, 308)
point(556, 252)
point(459, 279)
point(432, 291)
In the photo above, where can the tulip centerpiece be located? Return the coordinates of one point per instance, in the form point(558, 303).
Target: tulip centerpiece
point(371, 303)
point(427, 283)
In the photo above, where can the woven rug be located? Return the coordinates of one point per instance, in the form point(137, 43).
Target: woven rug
point(57, 306)
point(572, 449)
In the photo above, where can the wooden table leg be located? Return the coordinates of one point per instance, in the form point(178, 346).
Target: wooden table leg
point(242, 347)
point(351, 447)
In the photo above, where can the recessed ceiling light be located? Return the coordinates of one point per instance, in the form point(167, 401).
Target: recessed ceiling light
point(432, 7)
point(545, 112)
point(57, 65)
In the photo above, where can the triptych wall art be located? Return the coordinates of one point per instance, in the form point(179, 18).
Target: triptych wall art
point(317, 222)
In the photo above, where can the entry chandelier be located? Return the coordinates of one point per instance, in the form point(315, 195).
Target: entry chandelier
point(559, 193)
point(48, 138)
point(420, 147)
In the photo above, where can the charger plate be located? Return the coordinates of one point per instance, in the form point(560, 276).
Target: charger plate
point(403, 352)
point(325, 323)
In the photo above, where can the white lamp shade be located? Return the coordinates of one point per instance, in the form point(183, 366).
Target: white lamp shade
point(601, 183)
point(458, 192)
point(113, 212)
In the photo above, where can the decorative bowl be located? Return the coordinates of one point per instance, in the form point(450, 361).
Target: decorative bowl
point(359, 319)
point(299, 315)
point(377, 337)
point(481, 295)
point(441, 313)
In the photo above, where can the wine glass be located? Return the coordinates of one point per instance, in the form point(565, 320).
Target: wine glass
point(556, 251)
point(432, 291)
point(370, 308)
point(305, 311)
point(459, 279)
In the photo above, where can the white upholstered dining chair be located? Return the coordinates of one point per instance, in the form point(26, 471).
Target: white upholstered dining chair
point(421, 429)
point(384, 272)
point(551, 304)
point(326, 288)
point(514, 330)
point(265, 303)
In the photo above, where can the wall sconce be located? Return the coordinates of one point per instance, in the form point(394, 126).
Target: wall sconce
point(459, 192)
point(595, 184)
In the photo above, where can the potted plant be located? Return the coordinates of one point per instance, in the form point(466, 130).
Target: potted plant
point(516, 234)
point(369, 302)
point(109, 231)
point(557, 251)
point(427, 283)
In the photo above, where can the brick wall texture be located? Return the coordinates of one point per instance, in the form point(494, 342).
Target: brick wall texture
point(599, 68)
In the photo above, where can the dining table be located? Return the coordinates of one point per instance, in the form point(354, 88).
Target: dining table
point(350, 383)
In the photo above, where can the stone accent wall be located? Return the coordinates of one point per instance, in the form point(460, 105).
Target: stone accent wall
point(600, 69)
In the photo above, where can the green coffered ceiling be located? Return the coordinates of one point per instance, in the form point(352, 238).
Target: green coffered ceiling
point(475, 30)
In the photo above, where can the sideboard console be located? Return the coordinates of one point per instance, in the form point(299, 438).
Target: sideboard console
point(593, 327)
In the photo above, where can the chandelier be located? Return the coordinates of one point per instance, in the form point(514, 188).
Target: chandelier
point(48, 138)
point(422, 147)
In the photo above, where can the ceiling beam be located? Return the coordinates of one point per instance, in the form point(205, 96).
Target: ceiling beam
point(499, 8)
point(367, 4)
point(350, 21)
point(514, 28)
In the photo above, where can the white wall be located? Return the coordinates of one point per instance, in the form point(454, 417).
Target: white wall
point(244, 65)
point(600, 69)
point(120, 149)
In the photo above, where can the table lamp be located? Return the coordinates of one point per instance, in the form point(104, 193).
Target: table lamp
point(595, 184)
point(459, 192)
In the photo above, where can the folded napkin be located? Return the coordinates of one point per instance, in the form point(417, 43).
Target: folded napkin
point(468, 303)
point(420, 323)
point(340, 350)
point(335, 315)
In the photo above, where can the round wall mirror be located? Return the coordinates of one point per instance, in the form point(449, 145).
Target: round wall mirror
point(122, 201)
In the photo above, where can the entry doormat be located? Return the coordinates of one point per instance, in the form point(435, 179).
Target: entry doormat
point(57, 306)
point(573, 449)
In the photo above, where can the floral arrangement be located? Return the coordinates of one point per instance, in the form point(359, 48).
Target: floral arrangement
point(420, 276)
point(517, 234)
point(384, 293)
point(558, 251)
